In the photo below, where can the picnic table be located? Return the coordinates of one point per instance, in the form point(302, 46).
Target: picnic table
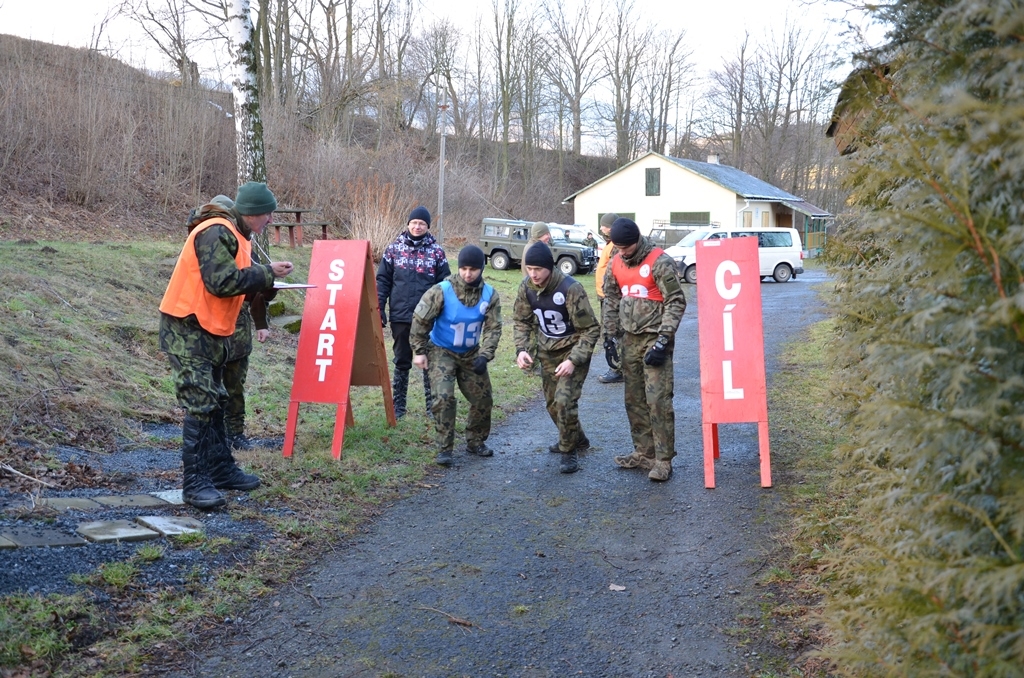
point(295, 225)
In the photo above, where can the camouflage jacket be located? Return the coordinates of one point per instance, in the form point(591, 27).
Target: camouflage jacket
point(430, 307)
point(527, 329)
point(216, 248)
point(638, 316)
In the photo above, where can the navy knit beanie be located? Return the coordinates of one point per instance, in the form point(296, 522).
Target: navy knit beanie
point(471, 256)
point(254, 198)
point(539, 254)
point(625, 232)
point(419, 213)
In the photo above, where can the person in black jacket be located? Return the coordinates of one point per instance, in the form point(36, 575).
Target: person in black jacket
point(411, 265)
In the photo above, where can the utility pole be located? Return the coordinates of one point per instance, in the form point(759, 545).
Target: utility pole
point(440, 179)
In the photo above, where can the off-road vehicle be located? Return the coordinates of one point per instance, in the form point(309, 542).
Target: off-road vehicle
point(503, 241)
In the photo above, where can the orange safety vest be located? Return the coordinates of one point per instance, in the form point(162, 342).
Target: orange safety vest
point(638, 281)
point(187, 295)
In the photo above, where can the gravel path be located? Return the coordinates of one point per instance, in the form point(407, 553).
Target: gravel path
point(508, 568)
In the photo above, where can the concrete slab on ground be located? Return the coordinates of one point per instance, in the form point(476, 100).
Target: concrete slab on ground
point(140, 500)
point(171, 525)
point(65, 503)
point(170, 496)
point(7, 544)
point(41, 536)
point(105, 531)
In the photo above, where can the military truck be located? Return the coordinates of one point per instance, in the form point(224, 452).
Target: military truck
point(503, 241)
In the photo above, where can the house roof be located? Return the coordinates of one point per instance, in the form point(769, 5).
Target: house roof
point(804, 207)
point(739, 182)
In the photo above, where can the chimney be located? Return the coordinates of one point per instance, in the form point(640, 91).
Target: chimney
point(713, 159)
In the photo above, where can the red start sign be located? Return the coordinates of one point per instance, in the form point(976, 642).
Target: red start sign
point(341, 343)
point(731, 334)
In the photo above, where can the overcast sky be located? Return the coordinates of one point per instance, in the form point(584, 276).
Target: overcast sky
point(714, 28)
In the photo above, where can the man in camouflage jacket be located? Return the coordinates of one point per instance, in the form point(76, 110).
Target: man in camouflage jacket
point(199, 312)
point(239, 345)
point(456, 328)
point(552, 311)
point(644, 303)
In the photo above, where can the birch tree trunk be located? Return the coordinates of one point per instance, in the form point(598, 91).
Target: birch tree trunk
point(252, 164)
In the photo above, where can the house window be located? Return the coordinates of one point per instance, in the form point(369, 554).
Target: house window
point(653, 181)
point(703, 218)
point(748, 219)
point(765, 219)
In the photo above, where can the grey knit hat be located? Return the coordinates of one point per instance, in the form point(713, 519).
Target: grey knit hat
point(538, 230)
point(608, 219)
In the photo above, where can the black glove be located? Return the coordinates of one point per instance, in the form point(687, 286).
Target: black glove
point(657, 355)
point(479, 364)
point(611, 353)
point(383, 320)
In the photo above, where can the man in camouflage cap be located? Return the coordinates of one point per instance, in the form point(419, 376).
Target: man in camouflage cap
point(552, 312)
point(456, 327)
point(643, 306)
point(198, 314)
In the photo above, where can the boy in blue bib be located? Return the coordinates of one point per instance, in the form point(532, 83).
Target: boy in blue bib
point(456, 328)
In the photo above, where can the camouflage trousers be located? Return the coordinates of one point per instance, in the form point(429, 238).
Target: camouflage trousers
point(235, 372)
point(562, 396)
point(446, 369)
point(649, 392)
point(199, 386)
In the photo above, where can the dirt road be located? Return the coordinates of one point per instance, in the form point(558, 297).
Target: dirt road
point(507, 568)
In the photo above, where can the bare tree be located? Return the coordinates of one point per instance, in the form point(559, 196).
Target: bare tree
point(504, 37)
point(167, 24)
point(574, 65)
point(665, 73)
point(623, 57)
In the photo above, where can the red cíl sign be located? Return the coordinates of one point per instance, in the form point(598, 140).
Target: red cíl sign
point(731, 335)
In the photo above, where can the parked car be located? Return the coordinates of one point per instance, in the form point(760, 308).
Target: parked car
point(575, 234)
point(667, 236)
point(779, 251)
point(503, 241)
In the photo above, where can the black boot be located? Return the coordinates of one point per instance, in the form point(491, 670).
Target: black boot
point(582, 444)
point(399, 389)
point(570, 462)
point(239, 441)
point(426, 394)
point(197, 437)
point(224, 472)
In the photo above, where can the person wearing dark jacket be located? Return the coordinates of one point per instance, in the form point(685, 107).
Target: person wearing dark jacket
point(411, 265)
point(198, 314)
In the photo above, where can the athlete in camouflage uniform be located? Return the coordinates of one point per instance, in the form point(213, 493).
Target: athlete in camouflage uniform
point(210, 272)
point(552, 311)
point(646, 326)
point(239, 345)
point(456, 349)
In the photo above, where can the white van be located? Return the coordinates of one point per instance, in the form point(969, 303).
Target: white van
point(778, 249)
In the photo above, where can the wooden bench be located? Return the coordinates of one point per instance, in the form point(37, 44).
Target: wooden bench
point(295, 227)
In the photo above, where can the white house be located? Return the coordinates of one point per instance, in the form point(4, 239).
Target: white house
point(656, 190)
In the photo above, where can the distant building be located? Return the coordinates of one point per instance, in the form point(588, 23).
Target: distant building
point(657, 190)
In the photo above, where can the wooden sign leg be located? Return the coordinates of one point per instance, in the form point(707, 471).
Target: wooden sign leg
point(710, 454)
point(289, 430)
point(339, 429)
point(766, 462)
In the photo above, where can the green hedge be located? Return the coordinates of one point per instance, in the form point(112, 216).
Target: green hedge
point(930, 581)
